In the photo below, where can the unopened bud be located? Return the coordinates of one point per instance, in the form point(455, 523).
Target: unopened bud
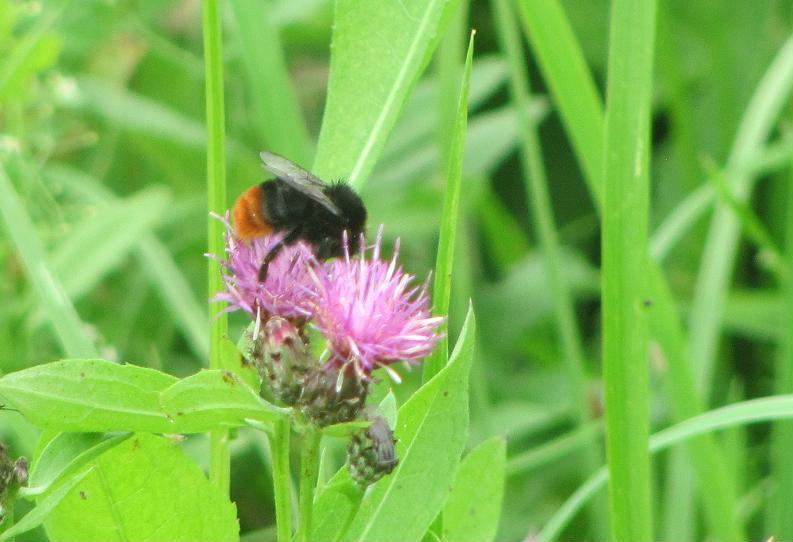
point(282, 359)
point(371, 453)
point(332, 395)
point(13, 475)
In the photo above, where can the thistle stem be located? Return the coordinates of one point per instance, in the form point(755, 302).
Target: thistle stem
point(216, 199)
point(309, 471)
point(281, 479)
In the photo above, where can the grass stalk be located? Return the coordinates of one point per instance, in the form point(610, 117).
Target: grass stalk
point(780, 518)
point(624, 245)
point(536, 186)
point(561, 62)
point(216, 195)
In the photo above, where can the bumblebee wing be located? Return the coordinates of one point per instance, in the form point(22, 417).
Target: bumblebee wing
point(298, 178)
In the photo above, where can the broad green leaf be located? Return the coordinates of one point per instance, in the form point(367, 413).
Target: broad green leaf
point(334, 507)
point(64, 455)
point(444, 262)
point(473, 509)
point(431, 432)
point(43, 509)
point(378, 51)
point(212, 399)
point(89, 395)
point(144, 489)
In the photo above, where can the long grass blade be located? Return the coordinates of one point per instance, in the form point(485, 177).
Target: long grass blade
point(441, 289)
point(64, 318)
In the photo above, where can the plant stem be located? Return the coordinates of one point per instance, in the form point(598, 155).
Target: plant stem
point(309, 471)
point(624, 242)
point(216, 192)
point(279, 452)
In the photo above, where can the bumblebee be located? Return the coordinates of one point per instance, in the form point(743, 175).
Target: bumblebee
point(302, 207)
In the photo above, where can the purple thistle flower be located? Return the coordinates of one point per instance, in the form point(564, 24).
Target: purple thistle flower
point(288, 291)
point(371, 314)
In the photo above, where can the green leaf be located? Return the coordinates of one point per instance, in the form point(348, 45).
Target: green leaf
point(431, 431)
point(444, 262)
point(64, 318)
point(64, 455)
point(754, 411)
point(154, 259)
point(89, 395)
point(378, 51)
point(343, 430)
point(43, 509)
point(212, 399)
point(474, 507)
point(274, 104)
point(572, 87)
point(99, 243)
point(144, 489)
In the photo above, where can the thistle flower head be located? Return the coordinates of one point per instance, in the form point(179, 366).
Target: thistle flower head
point(371, 313)
point(288, 291)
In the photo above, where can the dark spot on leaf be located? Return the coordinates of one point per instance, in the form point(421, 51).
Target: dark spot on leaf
point(135, 444)
point(82, 375)
point(83, 496)
point(228, 378)
point(180, 413)
point(445, 393)
point(648, 303)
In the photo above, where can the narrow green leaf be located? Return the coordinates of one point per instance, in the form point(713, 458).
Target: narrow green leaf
point(431, 431)
point(61, 312)
point(89, 395)
point(214, 399)
point(444, 262)
point(100, 242)
point(64, 455)
point(154, 259)
point(43, 509)
point(277, 115)
point(378, 51)
point(33, 52)
point(716, 267)
point(572, 86)
point(624, 246)
point(472, 512)
point(735, 415)
point(144, 489)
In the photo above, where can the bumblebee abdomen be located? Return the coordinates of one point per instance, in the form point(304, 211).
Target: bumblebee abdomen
point(249, 215)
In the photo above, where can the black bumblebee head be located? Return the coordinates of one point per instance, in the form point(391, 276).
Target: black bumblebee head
point(353, 212)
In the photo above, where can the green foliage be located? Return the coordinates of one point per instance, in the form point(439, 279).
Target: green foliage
point(473, 509)
point(144, 489)
point(108, 111)
point(431, 431)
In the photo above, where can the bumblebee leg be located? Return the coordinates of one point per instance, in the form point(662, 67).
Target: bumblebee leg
point(288, 239)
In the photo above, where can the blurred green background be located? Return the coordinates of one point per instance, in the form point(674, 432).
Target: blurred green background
point(102, 135)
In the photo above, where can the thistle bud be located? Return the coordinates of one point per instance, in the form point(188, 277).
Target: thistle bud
point(371, 453)
point(332, 395)
point(13, 475)
point(282, 359)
